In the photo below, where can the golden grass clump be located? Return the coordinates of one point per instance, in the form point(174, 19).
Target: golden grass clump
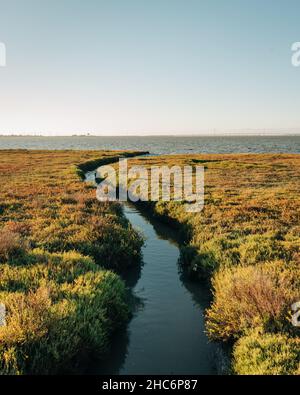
point(266, 354)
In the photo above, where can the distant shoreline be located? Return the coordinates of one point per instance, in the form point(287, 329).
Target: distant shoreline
point(155, 135)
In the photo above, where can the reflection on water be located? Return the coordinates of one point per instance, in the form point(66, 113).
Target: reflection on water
point(166, 334)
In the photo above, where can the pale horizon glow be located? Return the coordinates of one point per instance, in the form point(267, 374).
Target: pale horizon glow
point(165, 67)
point(237, 133)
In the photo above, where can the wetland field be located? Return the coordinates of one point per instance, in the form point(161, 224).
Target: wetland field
point(105, 287)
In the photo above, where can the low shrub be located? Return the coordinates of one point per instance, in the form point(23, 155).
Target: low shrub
point(266, 354)
point(113, 243)
point(258, 248)
point(12, 245)
point(59, 306)
point(245, 297)
point(204, 261)
point(116, 246)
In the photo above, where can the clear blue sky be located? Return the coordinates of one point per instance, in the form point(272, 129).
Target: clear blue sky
point(155, 66)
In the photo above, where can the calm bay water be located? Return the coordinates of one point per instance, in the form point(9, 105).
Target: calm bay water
point(161, 144)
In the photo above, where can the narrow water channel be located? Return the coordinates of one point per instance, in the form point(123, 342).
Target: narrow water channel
point(166, 334)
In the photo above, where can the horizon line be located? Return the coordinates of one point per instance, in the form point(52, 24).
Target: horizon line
point(217, 134)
